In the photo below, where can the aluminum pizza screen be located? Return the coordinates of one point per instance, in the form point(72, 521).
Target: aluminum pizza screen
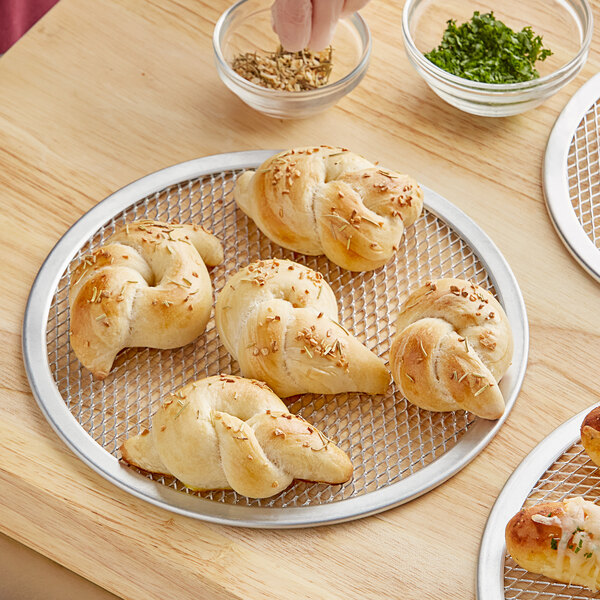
point(387, 438)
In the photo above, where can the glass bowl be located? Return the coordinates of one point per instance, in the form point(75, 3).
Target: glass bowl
point(246, 27)
point(565, 25)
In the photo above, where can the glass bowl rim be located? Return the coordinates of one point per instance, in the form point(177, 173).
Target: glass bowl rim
point(497, 88)
point(324, 90)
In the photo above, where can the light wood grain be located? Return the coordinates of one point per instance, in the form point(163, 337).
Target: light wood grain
point(99, 94)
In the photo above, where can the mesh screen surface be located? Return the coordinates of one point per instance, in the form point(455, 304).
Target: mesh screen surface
point(583, 170)
point(387, 438)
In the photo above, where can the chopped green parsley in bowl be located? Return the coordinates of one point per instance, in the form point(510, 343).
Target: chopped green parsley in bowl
point(497, 59)
point(486, 49)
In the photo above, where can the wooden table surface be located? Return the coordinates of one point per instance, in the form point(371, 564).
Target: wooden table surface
point(99, 94)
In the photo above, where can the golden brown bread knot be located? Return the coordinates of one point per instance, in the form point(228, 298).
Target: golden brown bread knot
point(453, 343)
point(226, 432)
point(147, 286)
point(559, 540)
point(590, 434)
point(279, 321)
point(331, 201)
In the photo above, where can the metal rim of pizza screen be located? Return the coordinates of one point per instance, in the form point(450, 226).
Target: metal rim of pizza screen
point(571, 176)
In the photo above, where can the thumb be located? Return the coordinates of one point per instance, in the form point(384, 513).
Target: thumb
point(351, 6)
point(291, 21)
point(325, 15)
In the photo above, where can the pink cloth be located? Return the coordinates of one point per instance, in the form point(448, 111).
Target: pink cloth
point(309, 23)
point(17, 16)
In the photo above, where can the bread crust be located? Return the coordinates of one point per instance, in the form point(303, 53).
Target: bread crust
point(279, 320)
point(590, 435)
point(326, 200)
point(452, 345)
point(147, 286)
point(227, 432)
point(558, 540)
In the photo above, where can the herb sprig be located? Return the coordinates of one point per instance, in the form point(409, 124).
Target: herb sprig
point(485, 49)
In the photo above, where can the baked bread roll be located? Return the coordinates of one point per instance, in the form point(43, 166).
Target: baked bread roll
point(331, 201)
point(590, 434)
point(147, 286)
point(226, 432)
point(452, 345)
point(279, 321)
point(560, 540)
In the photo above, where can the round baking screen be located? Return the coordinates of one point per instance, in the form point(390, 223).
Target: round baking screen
point(398, 450)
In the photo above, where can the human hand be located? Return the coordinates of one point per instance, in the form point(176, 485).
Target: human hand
point(309, 23)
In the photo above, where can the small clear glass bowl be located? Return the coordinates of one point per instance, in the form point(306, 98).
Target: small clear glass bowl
point(565, 25)
point(246, 27)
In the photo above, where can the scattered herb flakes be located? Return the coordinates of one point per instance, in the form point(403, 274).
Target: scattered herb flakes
point(481, 390)
point(485, 49)
point(287, 71)
point(183, 407)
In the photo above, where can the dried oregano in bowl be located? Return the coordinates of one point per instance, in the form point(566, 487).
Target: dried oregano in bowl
point(286, 71)
point(282, 84)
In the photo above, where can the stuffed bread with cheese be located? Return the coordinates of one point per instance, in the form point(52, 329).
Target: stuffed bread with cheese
point(560, 540)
